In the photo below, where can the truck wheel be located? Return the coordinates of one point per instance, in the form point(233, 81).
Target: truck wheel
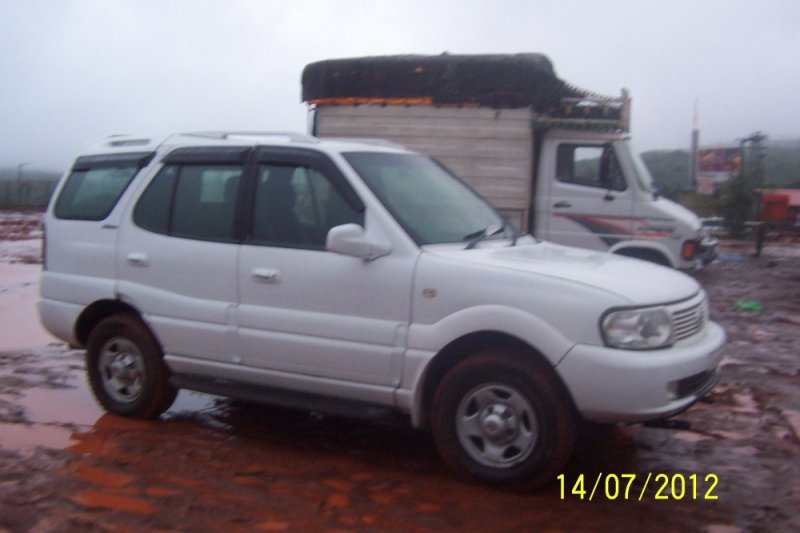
point(504, 419)
point(126, 369)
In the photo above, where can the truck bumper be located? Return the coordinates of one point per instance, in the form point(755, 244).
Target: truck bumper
point(610, 385)
point(708, 249)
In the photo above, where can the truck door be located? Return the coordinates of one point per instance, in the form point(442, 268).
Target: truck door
point(590, 204)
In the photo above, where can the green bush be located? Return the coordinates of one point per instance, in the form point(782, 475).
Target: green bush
point(736, 205)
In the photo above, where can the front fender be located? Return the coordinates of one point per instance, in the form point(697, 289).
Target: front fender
point(651, 246)
point(531, 329)
point(426, 341)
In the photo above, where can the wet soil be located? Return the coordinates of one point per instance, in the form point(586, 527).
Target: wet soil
point(212, 464)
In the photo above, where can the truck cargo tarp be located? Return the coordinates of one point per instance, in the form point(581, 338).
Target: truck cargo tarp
point(498, 81)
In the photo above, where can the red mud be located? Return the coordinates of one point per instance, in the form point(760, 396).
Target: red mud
point(211, 464)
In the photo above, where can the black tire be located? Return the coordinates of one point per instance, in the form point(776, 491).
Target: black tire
point(502, 417)
point(126, 369)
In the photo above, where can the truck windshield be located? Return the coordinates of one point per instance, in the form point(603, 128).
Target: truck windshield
point(626, 152)
point(431, 204)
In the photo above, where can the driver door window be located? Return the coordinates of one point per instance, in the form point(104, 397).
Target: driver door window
point(296, 206)
point(590, 166)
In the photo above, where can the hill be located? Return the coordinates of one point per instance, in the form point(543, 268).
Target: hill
point(670, 168)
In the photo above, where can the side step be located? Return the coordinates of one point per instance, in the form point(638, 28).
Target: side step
point(281, 397)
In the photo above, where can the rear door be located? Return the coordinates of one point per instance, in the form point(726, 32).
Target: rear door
point(177, 252)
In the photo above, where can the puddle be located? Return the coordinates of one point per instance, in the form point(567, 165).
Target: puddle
point(72, 405)
point(19, 318)
point(45, 402)
point(26, 439)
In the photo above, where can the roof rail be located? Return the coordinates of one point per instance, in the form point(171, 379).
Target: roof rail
point(367, 140)
point(121, 140)
point(290, 135)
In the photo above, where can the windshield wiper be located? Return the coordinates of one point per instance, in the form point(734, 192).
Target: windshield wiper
point(515, 233)
point(492, 230)
point(485, 233)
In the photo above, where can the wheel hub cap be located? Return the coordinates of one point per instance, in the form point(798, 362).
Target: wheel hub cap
point(499, 423)
point(496, 425)
point(122, 370)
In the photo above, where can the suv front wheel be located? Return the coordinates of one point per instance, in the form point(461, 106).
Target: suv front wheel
point(126, 369)
point(501, 417)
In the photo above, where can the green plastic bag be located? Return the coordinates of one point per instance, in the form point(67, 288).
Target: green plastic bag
point(748, 305)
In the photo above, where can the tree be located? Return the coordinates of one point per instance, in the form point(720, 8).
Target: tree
point(736, 204)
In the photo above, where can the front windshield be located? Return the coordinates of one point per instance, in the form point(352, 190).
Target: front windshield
point(431, 204)
point(626, 151)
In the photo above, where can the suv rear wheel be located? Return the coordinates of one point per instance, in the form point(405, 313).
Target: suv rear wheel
point(126, 369)
point(502, 418)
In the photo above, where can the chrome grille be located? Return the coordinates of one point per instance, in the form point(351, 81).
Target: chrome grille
point(689, 317)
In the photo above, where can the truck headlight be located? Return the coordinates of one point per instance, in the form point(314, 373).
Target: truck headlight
point(638, 329)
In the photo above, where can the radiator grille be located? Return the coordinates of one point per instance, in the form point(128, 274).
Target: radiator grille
point(689, 318)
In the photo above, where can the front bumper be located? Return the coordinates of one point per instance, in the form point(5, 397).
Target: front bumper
point(708, 249)
point(610, 385)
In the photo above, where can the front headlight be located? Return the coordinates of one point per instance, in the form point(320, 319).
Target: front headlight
point(638, 329)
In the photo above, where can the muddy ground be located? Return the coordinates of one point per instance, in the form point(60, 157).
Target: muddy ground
point(211, 464)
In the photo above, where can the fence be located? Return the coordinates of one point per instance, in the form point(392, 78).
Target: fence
point(26, 193)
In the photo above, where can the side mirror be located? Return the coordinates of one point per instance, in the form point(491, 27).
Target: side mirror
point(352, 240)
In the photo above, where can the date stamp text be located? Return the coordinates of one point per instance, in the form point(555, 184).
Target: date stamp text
point(638, 487)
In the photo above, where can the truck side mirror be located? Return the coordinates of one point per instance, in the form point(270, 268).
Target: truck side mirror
point(352, 240)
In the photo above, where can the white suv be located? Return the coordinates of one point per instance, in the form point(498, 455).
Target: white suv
point(345, 277)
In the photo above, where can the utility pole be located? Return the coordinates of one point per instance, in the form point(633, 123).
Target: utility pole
point(695, 143)
point(19, 182)
point(756, 140)
point(760, 152)
point(755, 182)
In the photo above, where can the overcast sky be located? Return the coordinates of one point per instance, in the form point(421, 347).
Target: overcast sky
point(74, 71)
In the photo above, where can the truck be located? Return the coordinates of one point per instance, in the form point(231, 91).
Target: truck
point(556, 159)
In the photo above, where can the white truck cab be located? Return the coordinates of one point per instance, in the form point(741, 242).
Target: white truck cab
point(593, 191)
point(350, 277)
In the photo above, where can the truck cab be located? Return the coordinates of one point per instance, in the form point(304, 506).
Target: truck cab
point(593, 191)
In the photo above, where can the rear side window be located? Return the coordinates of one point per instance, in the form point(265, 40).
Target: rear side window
point(194, 201)
point(91, 193)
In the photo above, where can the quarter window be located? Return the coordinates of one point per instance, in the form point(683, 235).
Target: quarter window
point(91, 193)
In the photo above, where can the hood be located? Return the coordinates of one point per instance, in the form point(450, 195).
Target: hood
point(677, 212)
point(637, 282)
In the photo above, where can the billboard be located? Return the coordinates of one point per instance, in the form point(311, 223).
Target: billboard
point(718, 160)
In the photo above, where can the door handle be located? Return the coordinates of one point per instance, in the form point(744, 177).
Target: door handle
point(561, 205)
point(268, 275)
point(138, 259)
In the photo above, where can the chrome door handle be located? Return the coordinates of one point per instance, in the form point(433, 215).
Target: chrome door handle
point(561, 205)
point(138, 259)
